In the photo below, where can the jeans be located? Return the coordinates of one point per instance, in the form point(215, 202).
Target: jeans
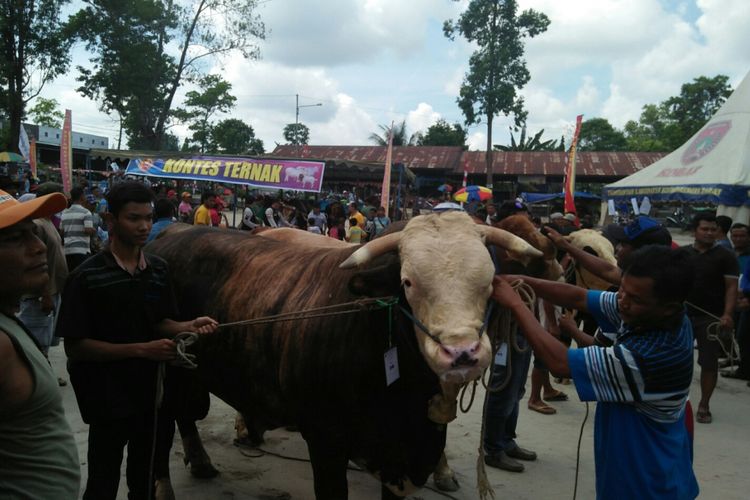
point(502, 406)
point(40, 324)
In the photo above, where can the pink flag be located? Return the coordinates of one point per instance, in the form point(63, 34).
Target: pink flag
point(386, 191)
point(569, 186)
point(66, 153)
point(32, 156)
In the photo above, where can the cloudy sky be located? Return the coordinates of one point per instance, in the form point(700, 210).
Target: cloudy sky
point(370, 62)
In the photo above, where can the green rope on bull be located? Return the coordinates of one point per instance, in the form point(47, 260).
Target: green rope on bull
point(388, 304)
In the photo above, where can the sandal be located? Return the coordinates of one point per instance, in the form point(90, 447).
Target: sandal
point(542, 408)
point(556, 396)
point(703, 416)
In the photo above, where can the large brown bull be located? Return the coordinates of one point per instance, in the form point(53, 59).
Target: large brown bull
point(326, 375)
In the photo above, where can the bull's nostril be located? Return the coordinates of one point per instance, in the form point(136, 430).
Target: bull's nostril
point(464, 360)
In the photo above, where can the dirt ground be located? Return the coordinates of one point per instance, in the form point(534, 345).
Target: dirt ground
point(721, 453)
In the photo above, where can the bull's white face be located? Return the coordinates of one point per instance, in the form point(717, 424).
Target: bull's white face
point(447, 274)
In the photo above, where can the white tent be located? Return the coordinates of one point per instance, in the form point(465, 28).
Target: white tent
point(713, 166)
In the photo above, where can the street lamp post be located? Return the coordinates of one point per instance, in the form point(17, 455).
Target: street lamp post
point(296, 121)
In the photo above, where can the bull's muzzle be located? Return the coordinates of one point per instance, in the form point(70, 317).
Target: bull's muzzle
point(462, 355)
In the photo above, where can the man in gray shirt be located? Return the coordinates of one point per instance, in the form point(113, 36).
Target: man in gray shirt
point(77, 226)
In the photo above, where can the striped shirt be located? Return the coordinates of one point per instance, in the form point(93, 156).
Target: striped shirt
point(651, 370)
point(74, 222)
point(641, 383)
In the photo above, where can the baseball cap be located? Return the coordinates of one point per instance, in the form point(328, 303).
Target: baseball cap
point(12, 211)
point(556, 215)
point(641, 232)
point(570, 217)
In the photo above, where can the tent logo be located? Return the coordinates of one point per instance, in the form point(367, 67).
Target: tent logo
point(707, 140)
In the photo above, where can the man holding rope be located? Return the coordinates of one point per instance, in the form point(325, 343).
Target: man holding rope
point(641, 383)
point(711, 303)
point(115, 319)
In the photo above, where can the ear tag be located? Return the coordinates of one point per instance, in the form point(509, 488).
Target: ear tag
point(391, 366)
point(501, 357)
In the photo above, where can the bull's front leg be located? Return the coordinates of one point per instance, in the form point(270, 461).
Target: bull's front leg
point(329, 461)
point(444, 477)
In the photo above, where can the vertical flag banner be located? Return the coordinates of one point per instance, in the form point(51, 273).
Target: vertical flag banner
point(23, 143)
point(32, 157)
point(386, 191)
point(569, 186)
point(66, 153)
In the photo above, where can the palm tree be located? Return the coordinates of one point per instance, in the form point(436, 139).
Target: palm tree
point(399, 135)
point(535, 144)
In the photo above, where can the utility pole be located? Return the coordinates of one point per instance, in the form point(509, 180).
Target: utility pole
point(296, 121)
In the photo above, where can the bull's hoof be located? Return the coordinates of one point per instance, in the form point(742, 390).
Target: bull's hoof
point(196, 456)
point(203, 471)
point(163, 490)
point(446, 483)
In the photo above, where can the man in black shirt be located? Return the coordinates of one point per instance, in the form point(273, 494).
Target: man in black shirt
point(115, 319)
point(712, 300)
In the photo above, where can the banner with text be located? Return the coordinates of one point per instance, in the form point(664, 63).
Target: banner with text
point(66, 153)
point(263, 173)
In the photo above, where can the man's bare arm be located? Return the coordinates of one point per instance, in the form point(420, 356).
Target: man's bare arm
point(100, 351)
point(561, 294)
point(595, 265)
point(730, 301)
point(548, 348)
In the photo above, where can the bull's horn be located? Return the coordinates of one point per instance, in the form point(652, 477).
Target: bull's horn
point(373, 249)
point(516, 246)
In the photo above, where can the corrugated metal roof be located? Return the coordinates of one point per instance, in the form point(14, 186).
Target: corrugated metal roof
point(590, 164)
point(432, 157)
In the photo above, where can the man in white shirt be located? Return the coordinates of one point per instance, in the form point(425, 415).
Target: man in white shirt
point(319, 218)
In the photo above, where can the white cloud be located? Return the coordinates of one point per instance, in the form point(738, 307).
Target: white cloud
point(418, 120)
point(477, 141)
point(339, 32)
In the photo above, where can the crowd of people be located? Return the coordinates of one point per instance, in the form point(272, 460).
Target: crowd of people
point(70, 266)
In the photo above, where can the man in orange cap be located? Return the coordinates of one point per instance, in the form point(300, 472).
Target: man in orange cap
point(37, 450)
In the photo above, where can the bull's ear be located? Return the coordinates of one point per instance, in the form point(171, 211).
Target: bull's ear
point(381, 280)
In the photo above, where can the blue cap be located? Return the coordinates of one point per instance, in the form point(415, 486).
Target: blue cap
point(642, 231)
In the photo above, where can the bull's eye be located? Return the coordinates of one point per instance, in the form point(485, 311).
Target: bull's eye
point(407, 283)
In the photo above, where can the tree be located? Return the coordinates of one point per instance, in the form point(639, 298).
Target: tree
point(535, 144)
point(668, 125)
point(597, 134)
point(35, 50)
point(233, 136)
point(47, 112)
point(442, 133)
point(296, 133)
point(400, 136)
point(497, 69)
point(213, 97)
point(143, 50)
point(653, 132)
point(696, 104)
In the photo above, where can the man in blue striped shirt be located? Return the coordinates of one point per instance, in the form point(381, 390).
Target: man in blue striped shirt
point(641, 383)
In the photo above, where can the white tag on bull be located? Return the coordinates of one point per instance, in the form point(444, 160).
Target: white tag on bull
point(501, 357)
point(391, 366)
